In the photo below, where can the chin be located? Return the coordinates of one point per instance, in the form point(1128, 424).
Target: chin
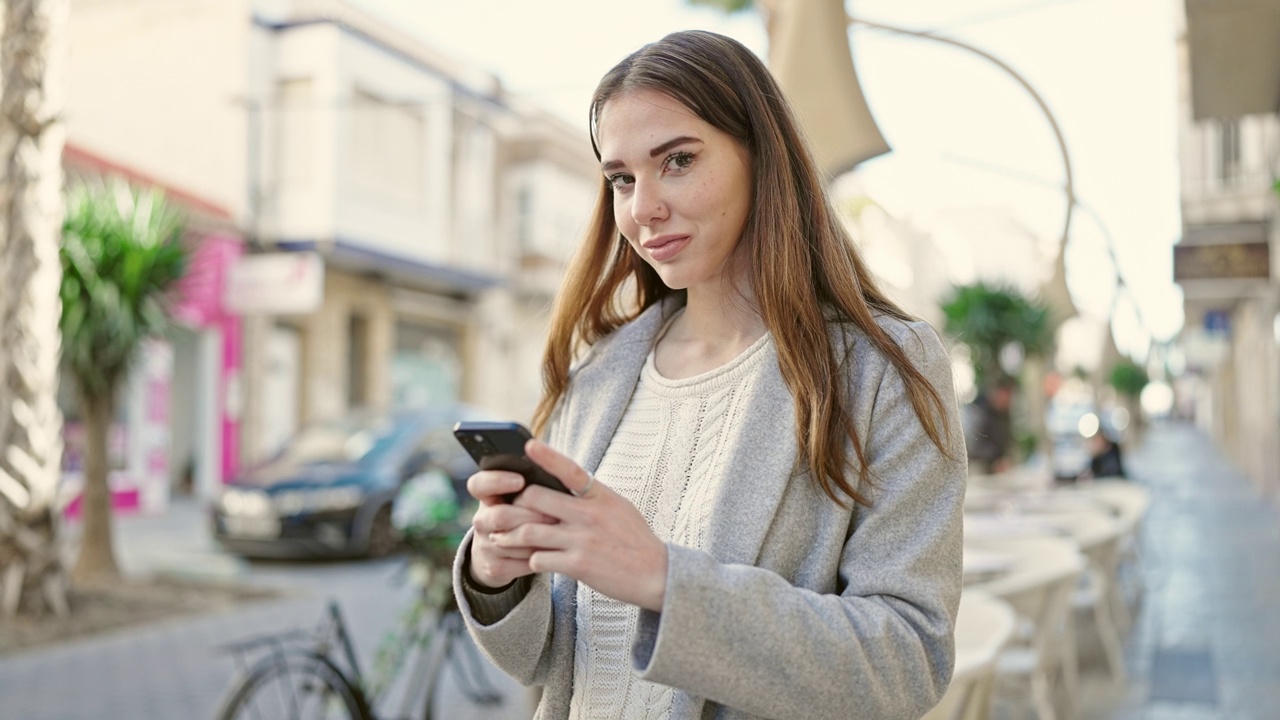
point(674, 282)
point(672, 278)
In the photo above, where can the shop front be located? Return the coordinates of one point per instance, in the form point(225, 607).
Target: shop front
point(176, 422)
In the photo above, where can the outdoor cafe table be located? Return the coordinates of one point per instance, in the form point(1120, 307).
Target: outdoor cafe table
point(1087, 528)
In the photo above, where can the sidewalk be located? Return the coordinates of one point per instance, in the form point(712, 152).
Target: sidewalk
point(1204, 645)
point(177, 542)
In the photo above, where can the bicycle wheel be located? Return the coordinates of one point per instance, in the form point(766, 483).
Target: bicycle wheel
point(294, 686)
point(457, 661)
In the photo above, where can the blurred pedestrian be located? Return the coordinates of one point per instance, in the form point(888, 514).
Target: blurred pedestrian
point(764, 451)
point(990, 437)
point(1106, 460)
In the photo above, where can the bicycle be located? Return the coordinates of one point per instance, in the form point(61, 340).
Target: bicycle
point(315, 673)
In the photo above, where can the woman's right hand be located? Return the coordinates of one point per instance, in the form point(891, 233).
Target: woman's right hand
point(493, 566)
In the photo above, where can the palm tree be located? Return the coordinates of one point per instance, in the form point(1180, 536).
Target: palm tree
point(121, 256)
point(32, 47)
point(1129, 379)
point(988, 319)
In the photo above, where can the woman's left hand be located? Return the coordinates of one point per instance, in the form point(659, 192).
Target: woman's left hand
point(601, 539)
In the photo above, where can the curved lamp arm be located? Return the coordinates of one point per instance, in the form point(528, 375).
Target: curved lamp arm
point(1044, 108)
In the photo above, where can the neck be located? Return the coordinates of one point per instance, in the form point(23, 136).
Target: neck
point(721, 321)
point(714, 328)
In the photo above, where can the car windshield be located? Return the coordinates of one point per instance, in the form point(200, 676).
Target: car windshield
point(359, 440)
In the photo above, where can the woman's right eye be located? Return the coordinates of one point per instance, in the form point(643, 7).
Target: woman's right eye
point(620, 181)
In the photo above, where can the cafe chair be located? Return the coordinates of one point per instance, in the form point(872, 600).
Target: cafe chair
point(983, 627)
point(1038, 663)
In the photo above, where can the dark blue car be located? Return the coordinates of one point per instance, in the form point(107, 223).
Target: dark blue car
point(329, 491)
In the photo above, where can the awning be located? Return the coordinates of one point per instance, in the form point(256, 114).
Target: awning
point(809, 55)
point(357, 257)
point(1235, 57)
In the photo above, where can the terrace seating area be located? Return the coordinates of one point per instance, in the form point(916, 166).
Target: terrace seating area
point(1047, 569)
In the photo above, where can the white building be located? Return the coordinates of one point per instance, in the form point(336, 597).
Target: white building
point(1226, 262)
point(425, 191)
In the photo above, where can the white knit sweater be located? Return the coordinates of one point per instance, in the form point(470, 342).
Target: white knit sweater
point(666, 458)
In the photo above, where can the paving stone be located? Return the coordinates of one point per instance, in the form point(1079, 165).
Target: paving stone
point(1184, 675)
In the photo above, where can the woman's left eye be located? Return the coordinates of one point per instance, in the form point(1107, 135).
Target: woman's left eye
point(679, 161)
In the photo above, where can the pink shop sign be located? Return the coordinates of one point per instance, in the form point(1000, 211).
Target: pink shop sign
point(285, 283)
point(200, 292)
point(202, 304)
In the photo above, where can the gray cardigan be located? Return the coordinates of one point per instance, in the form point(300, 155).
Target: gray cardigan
point(799, 608)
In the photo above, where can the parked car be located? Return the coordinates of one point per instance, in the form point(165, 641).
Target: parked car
point(329, 491)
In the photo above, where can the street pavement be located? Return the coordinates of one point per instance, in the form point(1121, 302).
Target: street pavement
point(1206, 642)
point(173, 669)
point(1203, 645)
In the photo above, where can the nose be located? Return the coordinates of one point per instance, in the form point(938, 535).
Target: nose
point(647, 202)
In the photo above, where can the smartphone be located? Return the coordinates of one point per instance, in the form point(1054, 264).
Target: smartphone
point(500, 446)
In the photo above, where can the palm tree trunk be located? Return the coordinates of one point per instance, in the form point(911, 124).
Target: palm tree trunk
point(31, 140)
point(1034, 376)
point(97, 562)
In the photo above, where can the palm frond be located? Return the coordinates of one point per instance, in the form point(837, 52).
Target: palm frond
point(986, 318)
point(121, 257)
point(727, 6)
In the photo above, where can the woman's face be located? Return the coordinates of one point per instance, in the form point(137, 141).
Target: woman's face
point(681, 187)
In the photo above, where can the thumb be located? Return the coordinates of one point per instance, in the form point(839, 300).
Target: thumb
point(576, 479)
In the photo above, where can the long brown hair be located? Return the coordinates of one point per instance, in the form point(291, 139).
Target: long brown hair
point(801, 262)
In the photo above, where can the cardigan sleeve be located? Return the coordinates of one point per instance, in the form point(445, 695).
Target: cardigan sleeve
point(882, 646)
point(512, 627)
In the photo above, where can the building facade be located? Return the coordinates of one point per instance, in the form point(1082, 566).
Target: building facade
point(1226, 261)
point(403, 220)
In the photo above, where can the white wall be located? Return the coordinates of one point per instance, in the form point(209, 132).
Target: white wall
point(550, 219)
point(370, 106)
point(389, 216)
point(296, 84)
point(159, 86)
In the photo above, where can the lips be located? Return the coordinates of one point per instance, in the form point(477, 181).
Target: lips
point(665, 247)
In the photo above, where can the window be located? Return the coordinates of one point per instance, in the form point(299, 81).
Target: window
point(388, 140)
point(1229, 151)
point(426, 368)
point(524, 217)
point(297, 129)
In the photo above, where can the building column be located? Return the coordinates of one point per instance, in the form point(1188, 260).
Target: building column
point(381, 341)
point(246, 400)
point(324, 358)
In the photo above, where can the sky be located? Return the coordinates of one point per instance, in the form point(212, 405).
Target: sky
point(965, 136)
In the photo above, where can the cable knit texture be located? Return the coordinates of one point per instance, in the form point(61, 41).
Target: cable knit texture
point(666, 458)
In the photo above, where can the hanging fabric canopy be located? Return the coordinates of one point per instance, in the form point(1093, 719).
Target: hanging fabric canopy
point(809, 55)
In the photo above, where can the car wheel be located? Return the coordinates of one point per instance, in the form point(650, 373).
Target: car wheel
point(383, 538)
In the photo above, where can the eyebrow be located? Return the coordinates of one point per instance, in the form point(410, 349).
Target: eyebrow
point(674, 142)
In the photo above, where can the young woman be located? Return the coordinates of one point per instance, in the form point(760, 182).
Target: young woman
point(764, 451)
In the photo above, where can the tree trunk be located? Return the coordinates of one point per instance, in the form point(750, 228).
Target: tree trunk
point(97, 562)
point(1033, 374)
point(31, 139)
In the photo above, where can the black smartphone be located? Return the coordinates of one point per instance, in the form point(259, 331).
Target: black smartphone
point(500, 446)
